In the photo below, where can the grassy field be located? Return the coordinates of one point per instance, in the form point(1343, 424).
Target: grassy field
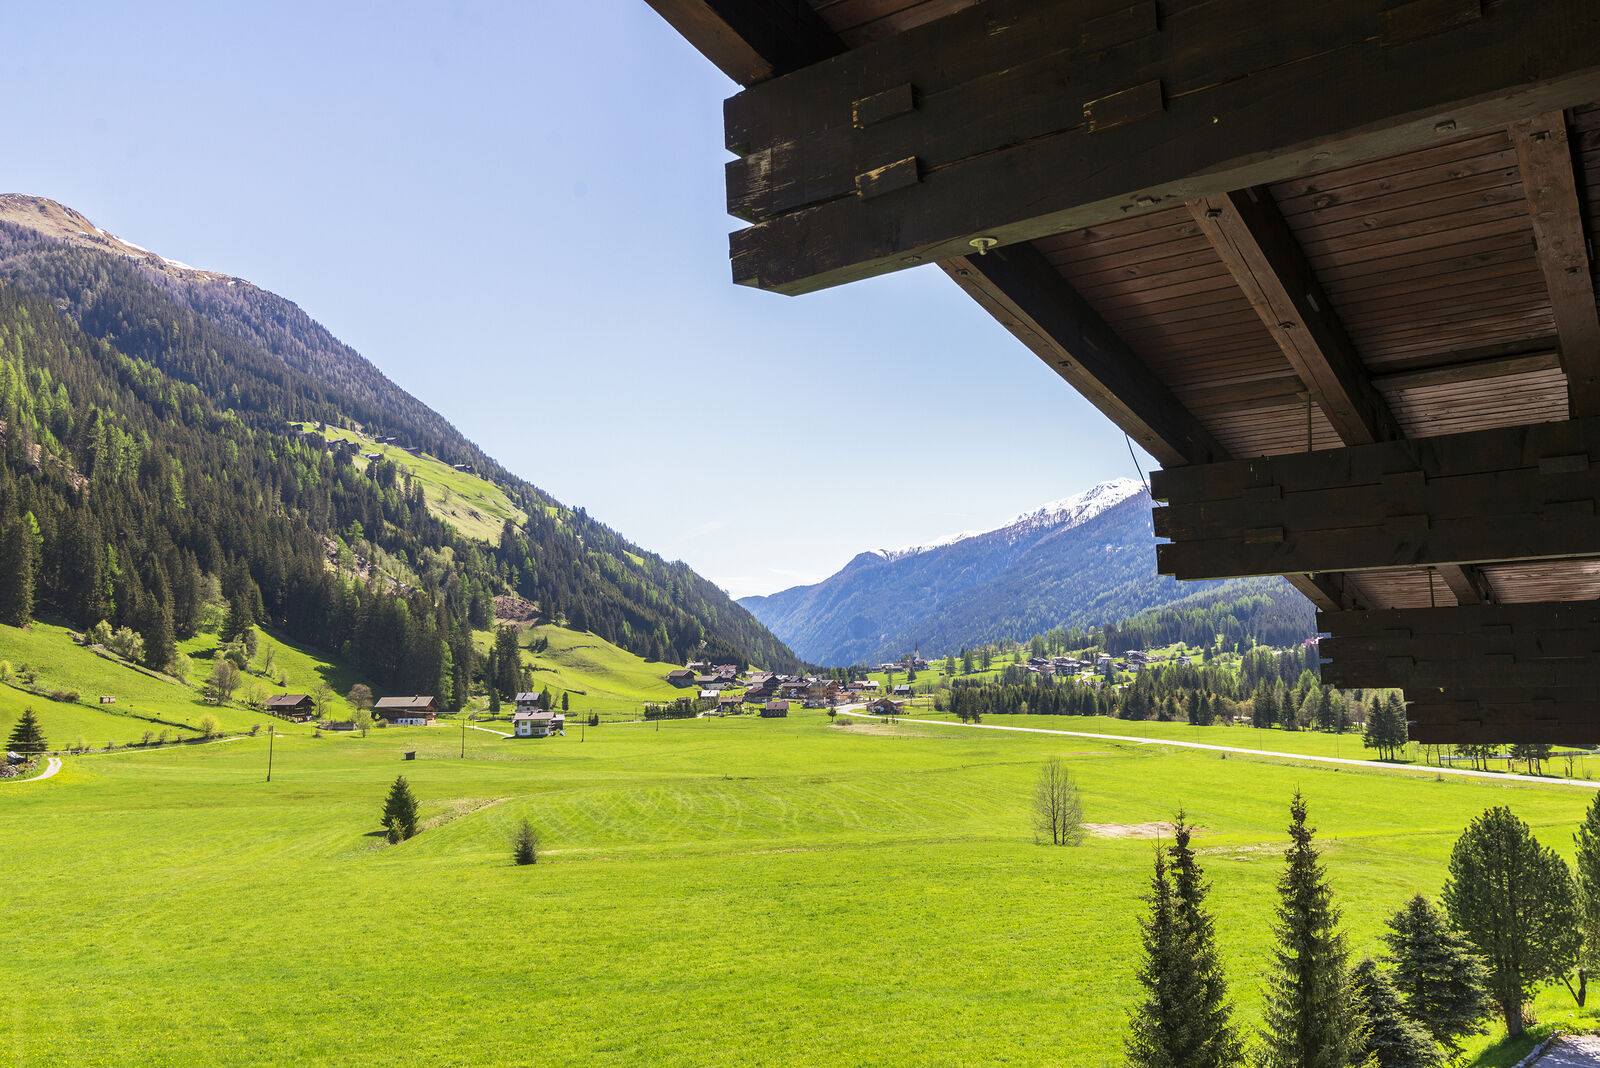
point(474, 506)
point(599, 676)
point(713, 892)
point(143, 696)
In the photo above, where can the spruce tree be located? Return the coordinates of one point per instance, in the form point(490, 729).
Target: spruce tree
point(1394, 1039)
point(1160, 1036)
point(400, 811)
point(26, 737)
point(16, 574)
point(525, 847)
point(1441, 982)
point(1313, 1017)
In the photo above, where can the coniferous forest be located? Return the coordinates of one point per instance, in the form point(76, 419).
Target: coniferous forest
point(150, 476)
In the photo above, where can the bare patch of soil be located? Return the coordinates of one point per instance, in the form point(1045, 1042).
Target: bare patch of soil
point(1153, 829)
point(512, 609)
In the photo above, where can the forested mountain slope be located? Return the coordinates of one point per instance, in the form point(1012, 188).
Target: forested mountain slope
point(1082, 561)
point(148, 454)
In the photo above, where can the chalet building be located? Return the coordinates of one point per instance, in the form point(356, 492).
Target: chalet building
point(681, 677)
point(902, 690)
point(295, 707)
point(883, 706)
point(711, 694)
point(761, 691)
point(417, 711)
point(527, 702)
point(795, 690)
point(775, 710)
point(537, 724)
point(465, 469)
point(373, 456)
point(729, 702)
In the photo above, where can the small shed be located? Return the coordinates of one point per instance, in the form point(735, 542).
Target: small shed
point(775, 710)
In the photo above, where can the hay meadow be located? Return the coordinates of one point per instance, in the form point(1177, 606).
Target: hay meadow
point(711, 892)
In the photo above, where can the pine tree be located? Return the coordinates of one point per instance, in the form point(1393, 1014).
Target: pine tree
point(1394, 1039)
point(1160, 1036)
point(26, 737)
point(525, 847)
point(1312, 1013)
point(16, 574)
point(400, 811)
point(1441, 982)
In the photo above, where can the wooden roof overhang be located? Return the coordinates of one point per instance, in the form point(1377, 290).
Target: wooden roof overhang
point(1330, 263)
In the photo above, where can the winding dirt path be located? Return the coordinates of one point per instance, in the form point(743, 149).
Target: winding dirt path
point(49, 771)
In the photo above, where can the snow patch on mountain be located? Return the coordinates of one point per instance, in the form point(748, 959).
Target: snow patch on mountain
point(1066, 513)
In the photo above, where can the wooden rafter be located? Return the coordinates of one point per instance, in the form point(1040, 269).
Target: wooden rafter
point(752, 40)
point(1544, 155)
point(1328, 591)
point(1214, 98)
point(1255, 244)
point(1030, 298)
point(1468, 584)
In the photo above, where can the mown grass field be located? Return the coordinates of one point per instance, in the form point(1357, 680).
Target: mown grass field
point(714, 892)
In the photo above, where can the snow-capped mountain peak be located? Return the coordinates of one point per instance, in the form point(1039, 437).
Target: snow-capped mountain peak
point(1065, 513)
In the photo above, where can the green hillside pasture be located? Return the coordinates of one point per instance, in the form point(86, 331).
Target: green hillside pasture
point(712, 892)
point(63, 665)
point(302, 669)
point(474, 506)
point(600, 676)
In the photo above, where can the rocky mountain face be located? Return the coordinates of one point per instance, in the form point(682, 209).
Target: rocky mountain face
point(1083, 560)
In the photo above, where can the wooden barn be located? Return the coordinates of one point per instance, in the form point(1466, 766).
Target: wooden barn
point(1331, 264)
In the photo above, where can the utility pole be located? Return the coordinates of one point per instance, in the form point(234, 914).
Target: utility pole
point(271, 733)
point(463, 734)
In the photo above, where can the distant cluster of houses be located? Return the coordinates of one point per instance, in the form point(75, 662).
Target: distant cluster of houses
point(768, 690)
point(1134, 660)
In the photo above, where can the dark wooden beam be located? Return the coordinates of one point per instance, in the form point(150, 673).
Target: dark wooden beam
point(1255, 244)
point(1030, 117)
point(1513, 493)
point(752, 40)
point(1468, 584)
point(1544, 155)
point(1482, 673)
point(1030, 298)
point(1328, 591)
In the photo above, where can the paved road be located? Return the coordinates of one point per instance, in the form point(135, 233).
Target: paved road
point(1573, 1051)
point(486, 730)
point(1426, 769)
point(49, 770)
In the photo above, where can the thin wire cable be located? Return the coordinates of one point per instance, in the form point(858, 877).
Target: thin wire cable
point(1136, 466)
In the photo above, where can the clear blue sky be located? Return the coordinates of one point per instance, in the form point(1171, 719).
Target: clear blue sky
point(516, 212)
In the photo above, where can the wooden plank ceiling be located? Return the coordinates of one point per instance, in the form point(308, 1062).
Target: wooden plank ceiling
point(1438, 290)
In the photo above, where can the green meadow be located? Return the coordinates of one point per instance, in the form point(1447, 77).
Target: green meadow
point(712, 892)
point(474, 506)
point(145, 700)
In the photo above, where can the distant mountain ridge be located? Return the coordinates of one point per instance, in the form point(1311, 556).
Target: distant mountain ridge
point(1079, 561)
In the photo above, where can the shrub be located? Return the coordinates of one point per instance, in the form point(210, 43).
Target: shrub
point(525, 846)
point(6, 674)
point(68, 696)
point(209, 726)
point(147, 738)
point(100, 633)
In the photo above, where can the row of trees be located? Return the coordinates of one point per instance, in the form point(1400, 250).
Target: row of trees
point(1513, 918)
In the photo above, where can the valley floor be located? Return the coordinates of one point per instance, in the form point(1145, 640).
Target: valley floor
point(712, 892)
